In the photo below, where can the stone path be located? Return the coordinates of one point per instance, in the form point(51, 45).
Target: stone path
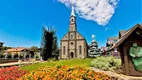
point(116, 76)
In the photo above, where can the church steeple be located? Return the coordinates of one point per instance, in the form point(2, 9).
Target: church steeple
point(72, 20)
point(72, 12)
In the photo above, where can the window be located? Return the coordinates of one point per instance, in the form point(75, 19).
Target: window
point(64, 50)
point(71, 20)
point(115, 50)
point(80, 50)
point(71, 43)
point(71, 36)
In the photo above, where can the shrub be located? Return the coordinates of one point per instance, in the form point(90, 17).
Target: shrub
point(106, 63)
point(11, 73)
point(64, 73)
point(9, 56)
point(15, 55)
point(51, 59)
point(1, 56)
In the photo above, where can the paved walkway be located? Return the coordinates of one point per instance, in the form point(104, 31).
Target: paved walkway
point(17, 63)
point(116, 76)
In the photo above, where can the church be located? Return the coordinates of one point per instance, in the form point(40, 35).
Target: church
point(73, 44)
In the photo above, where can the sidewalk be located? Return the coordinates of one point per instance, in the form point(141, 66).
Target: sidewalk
point(17, 63)
point(116, 76)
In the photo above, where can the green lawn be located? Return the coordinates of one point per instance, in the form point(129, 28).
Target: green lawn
point(73, 62)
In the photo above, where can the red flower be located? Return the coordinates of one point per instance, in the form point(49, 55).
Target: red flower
point(11, 73)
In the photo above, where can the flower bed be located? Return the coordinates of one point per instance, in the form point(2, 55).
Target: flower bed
point(64, 73)
point(11, 73)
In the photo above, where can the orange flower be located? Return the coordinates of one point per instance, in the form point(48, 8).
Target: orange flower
point(65, 73)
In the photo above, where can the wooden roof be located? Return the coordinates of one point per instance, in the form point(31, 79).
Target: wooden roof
point(125, 35)
point(104, 48)
point(121, 33)
point(112, 38)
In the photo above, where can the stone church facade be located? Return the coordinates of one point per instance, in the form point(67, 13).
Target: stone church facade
point(73, 44)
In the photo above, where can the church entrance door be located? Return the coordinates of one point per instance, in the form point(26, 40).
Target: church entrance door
point(71, 55)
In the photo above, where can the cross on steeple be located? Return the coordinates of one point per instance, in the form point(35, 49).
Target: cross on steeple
point(72, 4)
point(72, 12)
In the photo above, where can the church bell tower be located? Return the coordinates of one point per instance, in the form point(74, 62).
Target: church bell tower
point(73, 44)
point(72, 21)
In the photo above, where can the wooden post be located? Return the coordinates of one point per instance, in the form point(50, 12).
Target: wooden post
point(126, 64)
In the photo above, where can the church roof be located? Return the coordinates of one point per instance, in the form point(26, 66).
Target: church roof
point(66, 37)
point(125, 35)
point(72, 12)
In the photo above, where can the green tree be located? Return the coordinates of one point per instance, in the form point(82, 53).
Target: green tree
point(49, 44)
point(55, 50)
point(5, 48)
point(34, 48)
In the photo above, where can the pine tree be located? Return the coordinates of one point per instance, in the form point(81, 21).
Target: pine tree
point(49, 43)
point(55, 50)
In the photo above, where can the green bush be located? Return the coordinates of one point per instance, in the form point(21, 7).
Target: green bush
point(15, 55)
point(106, 63)
point(51, 59)
point(9, 56)
point(1, 56)
point(36, 56)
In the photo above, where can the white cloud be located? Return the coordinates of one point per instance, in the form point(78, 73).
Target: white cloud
point(99, 11)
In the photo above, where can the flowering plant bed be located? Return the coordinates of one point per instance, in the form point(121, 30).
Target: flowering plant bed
point(11, 73)
point(64, 73)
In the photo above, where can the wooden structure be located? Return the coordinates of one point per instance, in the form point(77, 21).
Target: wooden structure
point(125, 41)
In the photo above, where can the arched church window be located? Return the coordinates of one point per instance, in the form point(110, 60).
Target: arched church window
point(80, 50)
point(64, 50)
point(71, 20)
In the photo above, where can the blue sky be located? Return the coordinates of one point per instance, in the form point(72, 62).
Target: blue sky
point(21, 21)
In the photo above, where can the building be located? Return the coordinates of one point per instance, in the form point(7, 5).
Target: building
point(109, 44)
point(104, 50)
point(129, 45)
point(111, 41)
point(121, 32)
point(73, 44)
point(18, 50)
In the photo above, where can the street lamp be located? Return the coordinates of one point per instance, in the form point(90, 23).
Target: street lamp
point(1, 44)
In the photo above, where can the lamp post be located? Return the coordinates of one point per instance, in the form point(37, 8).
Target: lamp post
point(1, 44)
